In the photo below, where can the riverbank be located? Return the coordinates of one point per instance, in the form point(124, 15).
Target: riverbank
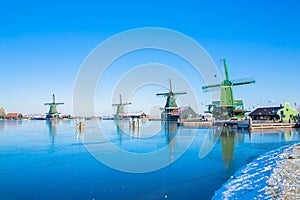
point(274, 175)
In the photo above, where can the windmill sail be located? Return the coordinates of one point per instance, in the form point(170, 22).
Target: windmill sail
point(227, 104)
point(52, 110)
point(171, 106)
point(243, 81)
point(210, 86)
point(120, 106)
point(170, 92)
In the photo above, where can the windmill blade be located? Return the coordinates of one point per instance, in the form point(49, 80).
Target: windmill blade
point(179, 93)
point(226, 69)
point(120, 99)
point(59, 103)
point(163, 94)
point(210, 86)
point(118, 104)
point(243, 81)
point(170, 85)
point(211, 89)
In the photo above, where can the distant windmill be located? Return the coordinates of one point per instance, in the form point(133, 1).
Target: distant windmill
point(227, 106)
point(120, 107)
point(53, 114)
point(171, 108)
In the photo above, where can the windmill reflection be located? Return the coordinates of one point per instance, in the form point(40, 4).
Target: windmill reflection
point(52, 130)
point(124, 126)
point(227, 138)
point(120, 129)
point(171, 129)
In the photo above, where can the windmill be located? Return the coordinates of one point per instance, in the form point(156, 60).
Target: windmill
point(120, 108)
point(227, 107)
point(170, 111)
point(53, 114)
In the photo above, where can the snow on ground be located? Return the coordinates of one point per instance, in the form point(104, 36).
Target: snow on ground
point(274, 175)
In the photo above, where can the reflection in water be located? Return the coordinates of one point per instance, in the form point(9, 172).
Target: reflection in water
point(171, 129)
point(2, 124)
point(128, 135)
point(80, 129)
point(188, 177)
point(120, 128)
point(11, 122)
point(278, 135)
point(52, 130)
point(124, 126)
point(230, 137)
point(227, 138)
point(290, 133)
point(210, 140)
point(134, 130)
point(80, 135)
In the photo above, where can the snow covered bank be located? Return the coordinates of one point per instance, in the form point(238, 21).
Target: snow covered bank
point(273, 175)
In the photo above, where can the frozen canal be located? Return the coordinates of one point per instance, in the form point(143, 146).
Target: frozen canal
point(49, 160)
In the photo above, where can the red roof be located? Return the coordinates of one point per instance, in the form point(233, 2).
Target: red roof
point(12, 115)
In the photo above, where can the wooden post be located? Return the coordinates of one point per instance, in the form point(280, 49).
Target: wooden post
point(250, 123)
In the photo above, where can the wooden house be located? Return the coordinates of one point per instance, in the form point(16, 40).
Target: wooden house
point(13, 116)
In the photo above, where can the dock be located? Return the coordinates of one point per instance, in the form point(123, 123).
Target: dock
point(258, 126)
point(240, 124)
point(249, 124)
point(195, 123)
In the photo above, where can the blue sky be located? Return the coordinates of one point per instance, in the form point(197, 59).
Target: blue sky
point(42, 46)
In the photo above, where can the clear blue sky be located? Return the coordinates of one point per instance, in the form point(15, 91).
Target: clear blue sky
point(42, 46)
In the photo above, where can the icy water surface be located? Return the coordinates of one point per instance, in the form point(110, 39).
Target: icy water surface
point(48, 160)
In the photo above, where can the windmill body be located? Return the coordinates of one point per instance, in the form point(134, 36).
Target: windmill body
point(53, 114)
point(120, 113)
point(227, 107)
point(171, 110)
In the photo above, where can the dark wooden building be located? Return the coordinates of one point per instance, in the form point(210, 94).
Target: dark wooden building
point(267, 113)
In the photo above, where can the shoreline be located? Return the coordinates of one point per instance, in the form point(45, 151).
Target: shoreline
point(274, 175)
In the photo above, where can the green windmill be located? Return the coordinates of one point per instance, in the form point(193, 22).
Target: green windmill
point(120, 109)
point(53, 114)
point(170, 111)
point(227, 107)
